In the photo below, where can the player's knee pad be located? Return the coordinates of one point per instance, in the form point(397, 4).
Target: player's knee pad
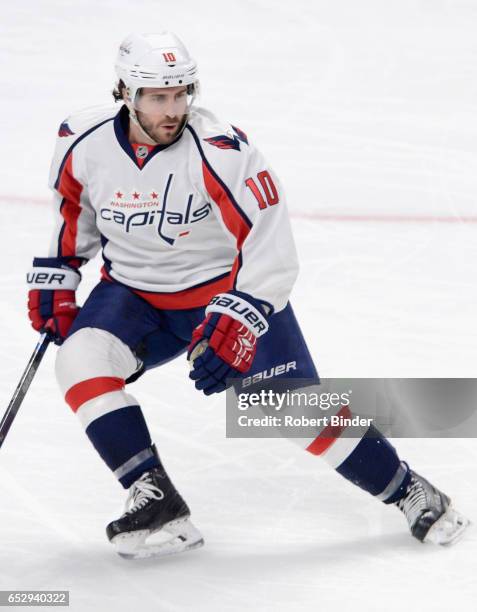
point(91, 368)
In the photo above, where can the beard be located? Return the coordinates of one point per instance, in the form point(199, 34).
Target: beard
point(156, 128)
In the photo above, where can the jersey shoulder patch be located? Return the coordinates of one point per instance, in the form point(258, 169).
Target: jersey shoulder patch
point(73, 131)
point(224, 142)
point(65, 130)
point(81, 121)
point(215, 132)
point(230, 140)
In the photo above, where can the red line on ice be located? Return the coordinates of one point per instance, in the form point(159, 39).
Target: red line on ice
point(311, 216)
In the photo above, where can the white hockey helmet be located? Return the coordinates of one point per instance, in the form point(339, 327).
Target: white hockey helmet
point(155, 60)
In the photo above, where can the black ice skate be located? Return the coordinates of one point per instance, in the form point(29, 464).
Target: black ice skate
point(429, 513)
point(156, 521)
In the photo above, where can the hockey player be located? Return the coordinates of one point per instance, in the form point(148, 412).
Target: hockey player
point(198, 257)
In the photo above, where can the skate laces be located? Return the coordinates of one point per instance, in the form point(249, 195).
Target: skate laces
point(415, 502)
point(142, 491)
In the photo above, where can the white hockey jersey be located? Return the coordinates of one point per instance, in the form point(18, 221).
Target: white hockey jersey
point(177, 223)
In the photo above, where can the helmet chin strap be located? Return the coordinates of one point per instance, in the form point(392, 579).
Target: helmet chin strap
point(137, 123)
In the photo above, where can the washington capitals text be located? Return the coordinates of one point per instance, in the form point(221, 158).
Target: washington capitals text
point(149, 217)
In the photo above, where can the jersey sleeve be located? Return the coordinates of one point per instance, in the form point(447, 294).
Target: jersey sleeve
point(251, 206)
point(75, 235)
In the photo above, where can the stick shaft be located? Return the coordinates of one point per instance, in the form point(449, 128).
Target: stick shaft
point(23, 385)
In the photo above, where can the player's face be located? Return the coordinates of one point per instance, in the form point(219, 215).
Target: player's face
point(161, 111)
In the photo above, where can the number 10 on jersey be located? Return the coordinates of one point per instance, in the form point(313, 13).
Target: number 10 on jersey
point(269, 197)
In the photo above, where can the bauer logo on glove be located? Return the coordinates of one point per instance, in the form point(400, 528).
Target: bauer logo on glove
point(238, 309)
point(51, 298)
point(225, 343)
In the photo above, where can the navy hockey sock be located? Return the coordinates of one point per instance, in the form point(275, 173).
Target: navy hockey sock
point(122, 439)
point(374, 466)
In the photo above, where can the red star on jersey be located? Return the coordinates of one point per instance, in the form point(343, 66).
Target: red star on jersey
point(136, 195)
point(118, 194)
point(154, 195)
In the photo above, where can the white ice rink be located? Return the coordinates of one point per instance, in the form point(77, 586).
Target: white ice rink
point(367, 110)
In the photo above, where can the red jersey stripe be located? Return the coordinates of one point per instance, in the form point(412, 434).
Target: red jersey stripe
point(71, 190)
point(232, 218)
point(195, 297)
point(91, 388)
point(329, 434)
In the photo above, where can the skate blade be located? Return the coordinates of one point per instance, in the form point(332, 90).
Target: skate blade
point(172, 538)
point(448, 529)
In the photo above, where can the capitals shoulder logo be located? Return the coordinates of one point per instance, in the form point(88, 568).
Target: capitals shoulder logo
point(65, 130)
point(230, 140)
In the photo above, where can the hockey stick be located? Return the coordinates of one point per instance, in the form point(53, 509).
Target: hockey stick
point(23, 385)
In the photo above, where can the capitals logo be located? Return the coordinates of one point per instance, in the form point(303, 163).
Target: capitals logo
point(65, 130)
point(153, 213)
point(229, 141)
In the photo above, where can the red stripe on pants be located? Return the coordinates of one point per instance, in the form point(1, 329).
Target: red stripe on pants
point(91, 388)
point(329, 434)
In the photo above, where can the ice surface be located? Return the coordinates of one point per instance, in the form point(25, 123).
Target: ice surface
point(366, 110)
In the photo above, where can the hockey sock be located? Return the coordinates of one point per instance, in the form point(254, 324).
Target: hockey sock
point(374, 466)
point(371, 463)
point(114, 423)
point(122, 439)
point(91, 368)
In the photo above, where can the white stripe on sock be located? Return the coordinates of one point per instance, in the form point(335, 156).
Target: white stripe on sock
point(103, 404)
